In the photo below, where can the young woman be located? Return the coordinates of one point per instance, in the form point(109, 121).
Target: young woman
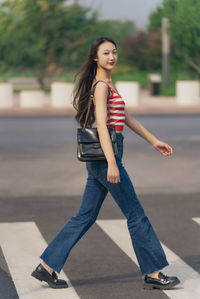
point(108, 176)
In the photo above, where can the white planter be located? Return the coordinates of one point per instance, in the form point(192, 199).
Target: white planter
point(130, 92)
point(61, 94)
point(188, 92)
point(32, 99)
point(6, 95)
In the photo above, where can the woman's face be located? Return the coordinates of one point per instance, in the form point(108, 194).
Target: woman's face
point(106, 56)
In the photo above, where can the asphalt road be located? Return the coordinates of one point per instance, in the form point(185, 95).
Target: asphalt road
point(42, 182)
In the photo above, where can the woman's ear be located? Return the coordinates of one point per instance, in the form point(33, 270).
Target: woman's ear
point(95, 59)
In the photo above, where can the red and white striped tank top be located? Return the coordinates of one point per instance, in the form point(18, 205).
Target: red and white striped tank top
point(115, 110)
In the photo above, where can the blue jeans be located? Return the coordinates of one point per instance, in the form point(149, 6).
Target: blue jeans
point(148, 250)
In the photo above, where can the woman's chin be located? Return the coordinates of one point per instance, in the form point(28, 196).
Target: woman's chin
point(109, 68)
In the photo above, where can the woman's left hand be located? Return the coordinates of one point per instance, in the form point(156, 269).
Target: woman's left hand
point(162, 147)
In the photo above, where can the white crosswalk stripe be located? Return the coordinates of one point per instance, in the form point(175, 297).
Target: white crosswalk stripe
point(190, 279)
point(22, 244)
point(196, 219)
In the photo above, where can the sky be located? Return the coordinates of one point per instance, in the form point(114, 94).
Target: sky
point(136, 10)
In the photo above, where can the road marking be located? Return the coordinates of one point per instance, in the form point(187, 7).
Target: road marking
point(196, 219)
point(22, 244)
point(190, 279)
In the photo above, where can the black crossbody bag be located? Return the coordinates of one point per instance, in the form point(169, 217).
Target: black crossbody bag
point(88, 144)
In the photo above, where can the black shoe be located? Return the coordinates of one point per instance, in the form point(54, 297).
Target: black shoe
point(42, 274)
point(163, 282)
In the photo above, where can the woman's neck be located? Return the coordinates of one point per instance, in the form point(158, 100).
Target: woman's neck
point(103, 75)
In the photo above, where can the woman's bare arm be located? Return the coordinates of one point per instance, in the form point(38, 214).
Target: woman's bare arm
point(138, 128)
point(164, 148)
point(100, 97)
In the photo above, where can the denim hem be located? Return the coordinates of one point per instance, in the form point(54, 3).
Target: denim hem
point(52, 267)
point(156, 269)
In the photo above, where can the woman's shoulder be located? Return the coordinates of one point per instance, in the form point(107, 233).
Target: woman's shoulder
point(100, 89)
point(100, 83)
point(100, 86)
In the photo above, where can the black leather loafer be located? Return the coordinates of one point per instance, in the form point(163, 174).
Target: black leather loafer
point(42, 274)
point(163, 282)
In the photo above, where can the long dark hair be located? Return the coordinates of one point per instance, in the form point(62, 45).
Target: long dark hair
point(86, 77)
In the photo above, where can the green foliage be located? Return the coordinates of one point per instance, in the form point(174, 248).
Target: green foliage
point(52, 38)
point(155, 18)
point(133, 75)
point(51, 35)
point(184, 30)
point(141, 76)
point(143, 49)
point(44, 33)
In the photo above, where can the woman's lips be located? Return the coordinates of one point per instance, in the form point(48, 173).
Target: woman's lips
point(111, 63)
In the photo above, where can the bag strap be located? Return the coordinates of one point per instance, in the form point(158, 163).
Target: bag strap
point(90, 100)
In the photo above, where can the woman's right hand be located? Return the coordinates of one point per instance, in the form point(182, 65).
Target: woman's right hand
point(113, 175)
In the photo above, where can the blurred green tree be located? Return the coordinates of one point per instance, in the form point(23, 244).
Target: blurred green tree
point(50, 35)
point(143, 49)
point(155, 18)
point(184, 30)
point(43, 33)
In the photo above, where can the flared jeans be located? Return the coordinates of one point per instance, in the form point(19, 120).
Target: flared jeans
point(147, 247)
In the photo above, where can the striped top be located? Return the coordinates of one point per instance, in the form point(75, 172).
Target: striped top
point(115, 110)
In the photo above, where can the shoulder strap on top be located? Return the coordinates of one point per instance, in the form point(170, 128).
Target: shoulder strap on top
point(93, 89)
